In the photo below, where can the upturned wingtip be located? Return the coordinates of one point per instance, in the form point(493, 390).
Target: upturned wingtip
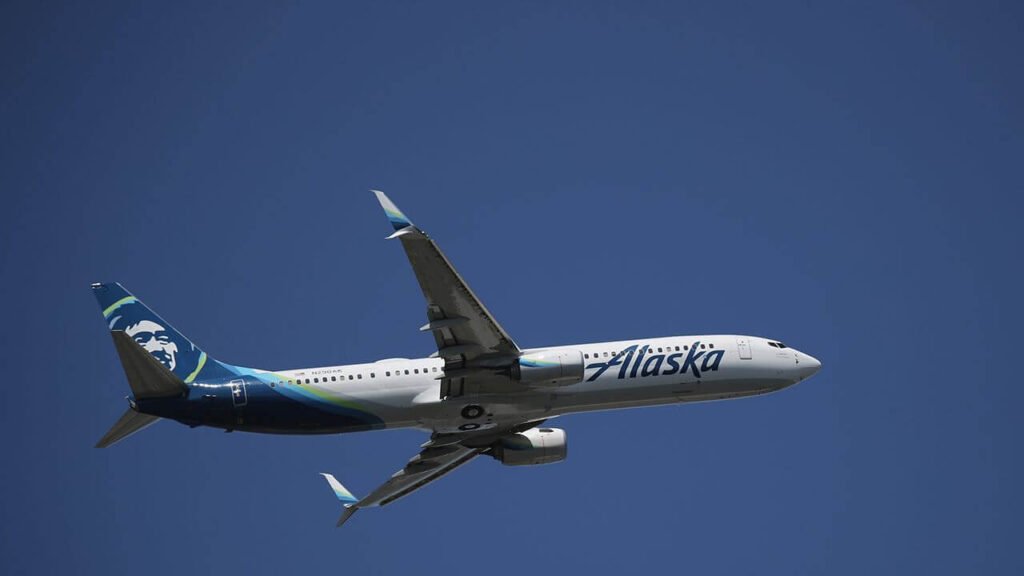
point(398, 219)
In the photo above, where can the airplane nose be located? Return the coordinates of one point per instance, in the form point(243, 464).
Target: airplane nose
point(808, 365)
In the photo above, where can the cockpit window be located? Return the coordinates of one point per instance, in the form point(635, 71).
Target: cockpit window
point(776, 344)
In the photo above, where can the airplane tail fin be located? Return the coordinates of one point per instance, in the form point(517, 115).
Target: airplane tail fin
point(144, 330)
point(158, 361)
point(349, 501)
point(148, 378)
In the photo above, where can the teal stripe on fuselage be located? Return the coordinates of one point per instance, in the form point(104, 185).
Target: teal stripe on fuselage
point(306, 396)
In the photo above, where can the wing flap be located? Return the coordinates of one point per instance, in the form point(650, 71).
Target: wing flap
point(429, 465)
point(461, 324)
point(449, 299)
point(440, 455)
point(419, 472)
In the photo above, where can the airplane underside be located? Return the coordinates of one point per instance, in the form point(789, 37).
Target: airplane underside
point(263, 411)
point(478, 394)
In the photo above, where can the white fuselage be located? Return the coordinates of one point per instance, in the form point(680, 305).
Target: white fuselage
point(623, 374)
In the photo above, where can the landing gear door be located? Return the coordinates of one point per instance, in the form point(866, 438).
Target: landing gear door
point(238, 395)
point(743, 346)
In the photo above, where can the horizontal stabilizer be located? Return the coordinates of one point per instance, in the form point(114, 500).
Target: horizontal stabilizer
point(129, 423)
point(147, 376)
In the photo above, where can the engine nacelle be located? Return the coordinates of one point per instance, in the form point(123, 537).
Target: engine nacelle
point(551, 368)
point(532, 447)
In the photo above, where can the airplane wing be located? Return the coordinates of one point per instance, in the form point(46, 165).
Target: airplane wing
point(468, 338)
point(429, 465)
point(474, 347)
point(439, 456)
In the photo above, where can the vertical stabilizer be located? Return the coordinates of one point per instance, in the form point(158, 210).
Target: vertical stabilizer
point(124, 312)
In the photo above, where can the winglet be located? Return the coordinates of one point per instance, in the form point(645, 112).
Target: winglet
point(340, 491)
point(346, 497)
point(395, 216)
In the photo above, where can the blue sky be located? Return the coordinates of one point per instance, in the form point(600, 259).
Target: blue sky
point(843, 177)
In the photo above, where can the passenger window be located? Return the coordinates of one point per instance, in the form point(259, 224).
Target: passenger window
point(677, 348)
point(435, 369)
point(350, 377)
point(360, 376)
point(711, 345)
point(406, 372)
point(605, 354)
point(372, 375)
point(387, 373)
point(307, 380)
point(701, 346)
point(659, 349)
point(316, 380)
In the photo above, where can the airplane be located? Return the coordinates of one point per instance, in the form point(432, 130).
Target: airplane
point(480, 393)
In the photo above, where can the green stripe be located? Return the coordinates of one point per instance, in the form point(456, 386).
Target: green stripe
point(202, 362)
point(328, 397)
point(110, 309)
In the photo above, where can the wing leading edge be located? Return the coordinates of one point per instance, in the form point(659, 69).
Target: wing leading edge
point(430, 464)
point(474, 347)
point(468, 337)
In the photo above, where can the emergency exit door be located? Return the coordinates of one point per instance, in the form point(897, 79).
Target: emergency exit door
point(238, 396)
point(743, 345)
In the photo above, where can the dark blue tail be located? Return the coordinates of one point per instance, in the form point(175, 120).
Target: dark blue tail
point(126, 313)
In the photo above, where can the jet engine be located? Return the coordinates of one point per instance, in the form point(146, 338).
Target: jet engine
point(532, 447)
point(551, 368)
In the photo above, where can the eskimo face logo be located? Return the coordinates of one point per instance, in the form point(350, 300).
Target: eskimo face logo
point(634, 362)
point(156, 340)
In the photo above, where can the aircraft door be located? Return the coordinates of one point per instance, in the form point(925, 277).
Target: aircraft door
point(239, 398)
point(743, 346)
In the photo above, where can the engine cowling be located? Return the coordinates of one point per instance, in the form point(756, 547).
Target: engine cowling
point(551, 368)
point(532, 447)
